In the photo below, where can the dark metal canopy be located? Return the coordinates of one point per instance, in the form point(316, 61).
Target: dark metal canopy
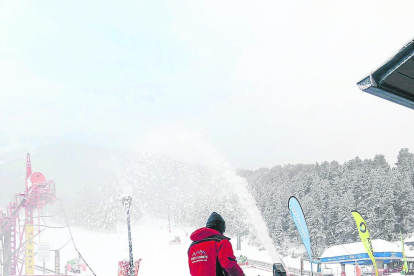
point(394, 81)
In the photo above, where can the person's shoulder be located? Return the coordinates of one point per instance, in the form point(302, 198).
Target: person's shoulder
point(224, 241)
point(225, 247)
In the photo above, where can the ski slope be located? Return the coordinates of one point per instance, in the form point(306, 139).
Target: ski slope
point(150, 237)
point(151, 242)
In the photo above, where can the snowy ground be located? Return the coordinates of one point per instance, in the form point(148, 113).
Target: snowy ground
point(150, 242)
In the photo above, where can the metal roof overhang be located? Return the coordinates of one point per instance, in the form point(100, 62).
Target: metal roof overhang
point(394, 81)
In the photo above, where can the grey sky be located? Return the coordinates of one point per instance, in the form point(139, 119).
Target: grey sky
point(264, 83)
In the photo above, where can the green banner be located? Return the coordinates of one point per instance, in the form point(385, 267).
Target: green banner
point(405, 266)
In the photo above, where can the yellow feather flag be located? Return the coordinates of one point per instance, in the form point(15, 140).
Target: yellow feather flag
point(405, 266)
point(364, 235)
point(29, 266)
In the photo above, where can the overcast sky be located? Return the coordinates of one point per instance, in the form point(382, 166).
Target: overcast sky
point(262, 82)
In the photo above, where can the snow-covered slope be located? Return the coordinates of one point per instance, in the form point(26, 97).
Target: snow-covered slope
point(151, 238)
point(151, 242)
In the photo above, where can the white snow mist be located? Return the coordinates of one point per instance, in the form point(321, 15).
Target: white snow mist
point(191, 147)
point(239, 186)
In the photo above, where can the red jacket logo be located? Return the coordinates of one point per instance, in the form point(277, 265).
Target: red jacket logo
point(199, 256)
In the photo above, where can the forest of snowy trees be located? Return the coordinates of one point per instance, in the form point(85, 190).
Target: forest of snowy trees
point(329, 191)
point(383, 193)
point(89, 181)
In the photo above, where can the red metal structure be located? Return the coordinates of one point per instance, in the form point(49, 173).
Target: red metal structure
point(16, 233)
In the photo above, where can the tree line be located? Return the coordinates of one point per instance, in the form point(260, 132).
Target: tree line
point(329, 191)
point(90, 179)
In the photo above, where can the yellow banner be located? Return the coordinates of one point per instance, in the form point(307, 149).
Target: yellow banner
point(29, 266)
point(364, 235)
point(405, 266)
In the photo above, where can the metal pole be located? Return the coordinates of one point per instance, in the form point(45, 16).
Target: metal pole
point(6, 254)
point(126, 202)
point(311, 268)
point(57, 262)
point(169, 221)
point(301, 266)
point(131, 258)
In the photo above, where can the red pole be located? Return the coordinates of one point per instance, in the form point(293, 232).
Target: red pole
point(28, 169)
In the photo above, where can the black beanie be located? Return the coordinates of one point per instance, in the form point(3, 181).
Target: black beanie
point(216, 222)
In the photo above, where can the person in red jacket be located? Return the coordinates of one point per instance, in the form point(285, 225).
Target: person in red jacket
point(211, 253)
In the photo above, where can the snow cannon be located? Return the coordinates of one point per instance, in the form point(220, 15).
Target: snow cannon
point(39, 191)
point(278, 270)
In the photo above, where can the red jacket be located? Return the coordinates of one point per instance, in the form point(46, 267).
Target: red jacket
point(211, 254)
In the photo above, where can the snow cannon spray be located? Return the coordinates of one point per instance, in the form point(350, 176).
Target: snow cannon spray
point(249, 204)
point(299, 219)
